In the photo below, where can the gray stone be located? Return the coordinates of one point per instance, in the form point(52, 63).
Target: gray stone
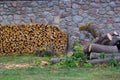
point(10, 17)
point(90, 17)
point(17, 21)
point(117, 19)
point(84, 15)
point(33, 3)
point(110, 26)
point(50, 4)
point(118, 8)
point(110, 13)
point(86, 20)
point(2, 13)
point(4, 16)
point(77, 19)
point(104, 5)
point(112, 4)
point(75, 6)
point(108, 8)
point(69, 18)
point(5, 22)
point(17, 16)
point(95, 5)
point(27, 21)
point(68, 9)
point(31, 15)
point(81, 2)
point(102, 12)
point(82, 36)
point(49, 17)
point(9, 4)
point(1, 18)
point(75, 12)
point(28, 9)
point(5, 6)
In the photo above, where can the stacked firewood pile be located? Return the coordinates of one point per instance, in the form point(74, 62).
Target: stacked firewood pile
point(19, 39)
point(109, 44)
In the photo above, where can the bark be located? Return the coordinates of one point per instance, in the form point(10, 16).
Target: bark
point(94, 55)
point(103, 48)
point(101, 61)
point(114, 40)
point(105, 39)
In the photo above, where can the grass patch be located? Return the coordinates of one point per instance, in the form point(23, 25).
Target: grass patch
point(49, 73)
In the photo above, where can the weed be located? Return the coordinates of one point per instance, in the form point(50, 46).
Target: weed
point(77, 59)
point(112, 61)
point(102, 55)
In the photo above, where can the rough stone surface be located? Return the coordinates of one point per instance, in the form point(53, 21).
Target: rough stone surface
point(77, 19)
point(117, 19)
point(67, 14)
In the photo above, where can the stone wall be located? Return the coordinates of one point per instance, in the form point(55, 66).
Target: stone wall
point(67, 14)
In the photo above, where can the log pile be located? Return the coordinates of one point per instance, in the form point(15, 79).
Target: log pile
point(109, 44)
point(19, 39)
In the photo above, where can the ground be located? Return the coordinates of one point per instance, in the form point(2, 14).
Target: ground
point(27, 67)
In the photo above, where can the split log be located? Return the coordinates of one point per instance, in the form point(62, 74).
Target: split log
point(94, 55)
point(115, 40)
point(114, 33)
point(87, 49)
point(105, 39)
point(101, 61)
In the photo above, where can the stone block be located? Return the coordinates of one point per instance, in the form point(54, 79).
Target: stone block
point(117, 19)
point(77, 19)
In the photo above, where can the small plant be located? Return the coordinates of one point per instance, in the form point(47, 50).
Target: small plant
point(88, 65)
point(102, 55)
point(77, 59)
point(112, 61)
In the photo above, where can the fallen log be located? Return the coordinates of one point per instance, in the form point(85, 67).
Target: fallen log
point(103, 48)
point(101, 61)
point(94, 55)
point(87, 49)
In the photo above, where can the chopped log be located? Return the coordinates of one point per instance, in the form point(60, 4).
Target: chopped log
point(101, 61)
point(87, 49)
point(118, 45)
point(103, 48)
point(115, 40)
point(19, 39)
point(105, 39)
point(94, 55)
point(114, 33)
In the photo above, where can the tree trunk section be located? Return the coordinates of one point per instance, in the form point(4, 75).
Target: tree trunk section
point(101, 61)
point(94, 55)
point(103, 48)
point(114, 40)
point(105, 39)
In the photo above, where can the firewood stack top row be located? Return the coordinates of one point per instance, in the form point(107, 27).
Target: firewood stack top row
point(19, 39)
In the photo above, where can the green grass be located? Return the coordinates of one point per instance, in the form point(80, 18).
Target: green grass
point(50, 73)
